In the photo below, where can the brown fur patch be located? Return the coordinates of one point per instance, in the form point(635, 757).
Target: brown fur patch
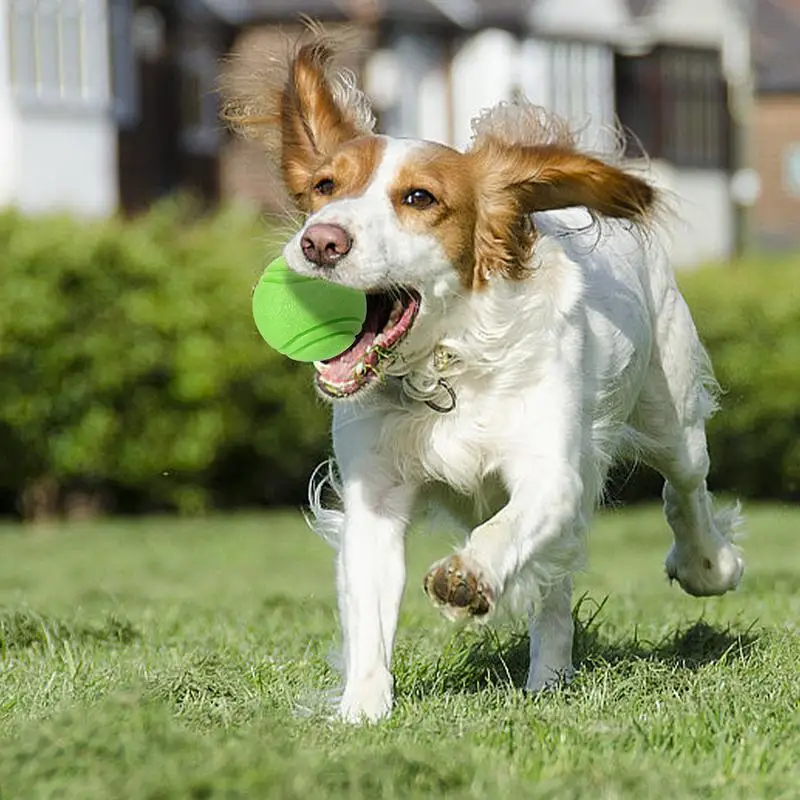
point(566, 178)
point(447, 175)
point(298, 106)
point(312, 125)
point(515, 181)
point(351, 169)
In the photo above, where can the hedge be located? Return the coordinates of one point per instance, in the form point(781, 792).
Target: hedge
point(748, 315)
point(132, 377)
point(130, 369)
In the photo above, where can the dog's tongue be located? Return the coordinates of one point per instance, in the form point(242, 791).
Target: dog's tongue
point(341, 367)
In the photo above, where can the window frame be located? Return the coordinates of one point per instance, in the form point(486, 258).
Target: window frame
point(42, 73)
point(672, 104)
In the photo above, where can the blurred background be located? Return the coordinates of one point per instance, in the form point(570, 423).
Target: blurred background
point(133, 226)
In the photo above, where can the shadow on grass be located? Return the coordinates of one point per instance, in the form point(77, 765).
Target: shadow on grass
point(476, 659)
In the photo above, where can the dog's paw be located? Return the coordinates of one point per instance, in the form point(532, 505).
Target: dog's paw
point(549, 679)
point(457, 587)
point(368, 699)
point(706, 575)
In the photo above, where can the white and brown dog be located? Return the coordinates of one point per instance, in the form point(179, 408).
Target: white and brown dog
point(524, 329)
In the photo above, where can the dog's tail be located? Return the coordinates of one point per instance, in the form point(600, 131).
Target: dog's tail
point(325, 521)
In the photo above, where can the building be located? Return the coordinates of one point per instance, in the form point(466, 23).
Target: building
point(58, 139)
point(672, 72)
point(669, 71)
point(776, 123)
point(108, 104)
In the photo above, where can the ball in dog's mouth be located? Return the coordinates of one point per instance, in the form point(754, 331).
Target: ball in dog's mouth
point(390, 316)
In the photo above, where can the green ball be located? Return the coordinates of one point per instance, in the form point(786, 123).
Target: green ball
point(306, 319)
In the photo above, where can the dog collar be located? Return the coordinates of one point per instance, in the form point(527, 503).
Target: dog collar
point(441, 360)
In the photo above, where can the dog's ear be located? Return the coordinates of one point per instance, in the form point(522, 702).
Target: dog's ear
point(301, 108)
point(518, 180)
point(313, 123)
point(548, 177)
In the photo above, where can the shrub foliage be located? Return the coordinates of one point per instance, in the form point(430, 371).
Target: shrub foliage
point(130, 367)
point(748, 315)
point(131, 371)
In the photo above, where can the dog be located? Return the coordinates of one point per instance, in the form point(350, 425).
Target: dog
point(524, 332)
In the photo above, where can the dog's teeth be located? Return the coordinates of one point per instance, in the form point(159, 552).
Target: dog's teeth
point(361, 368)
point(397, 311)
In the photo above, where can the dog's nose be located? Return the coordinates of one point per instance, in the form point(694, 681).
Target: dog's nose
point(324, 244)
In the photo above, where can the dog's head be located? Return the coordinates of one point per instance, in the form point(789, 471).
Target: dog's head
point(415, 224)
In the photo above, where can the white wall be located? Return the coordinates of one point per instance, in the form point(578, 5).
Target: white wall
point(576, 81)
point(407, 84)
point(485, 71)
point(698, 22)
point(572, 79)
point(587, 20)
point(8, 159)
point(58, 137)
point(700, 219)
point(433, 103)
point(67, 162)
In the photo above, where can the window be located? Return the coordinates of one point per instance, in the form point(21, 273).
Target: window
point(201, 132)
point(575, 80)
point(672, 104)
point(59, 51)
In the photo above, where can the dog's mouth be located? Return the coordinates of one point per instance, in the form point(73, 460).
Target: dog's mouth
point(390, 316)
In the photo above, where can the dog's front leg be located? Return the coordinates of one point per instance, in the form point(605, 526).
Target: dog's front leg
point(530, 547)
point(535, 541)
point(370, 570)
point(537, 534)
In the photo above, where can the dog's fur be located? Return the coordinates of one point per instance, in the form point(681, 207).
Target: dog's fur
point(551, 313)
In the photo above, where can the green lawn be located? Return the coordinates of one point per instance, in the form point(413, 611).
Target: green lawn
point(168, 659)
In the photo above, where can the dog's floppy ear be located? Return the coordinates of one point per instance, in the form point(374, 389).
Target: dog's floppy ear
point(313, 124)
point(526, 161)
point(548, 177)
point(300, 107)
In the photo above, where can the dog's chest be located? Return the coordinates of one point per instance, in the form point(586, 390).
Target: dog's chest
point(453, 447)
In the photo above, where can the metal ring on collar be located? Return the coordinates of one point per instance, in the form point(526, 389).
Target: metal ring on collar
point(450, 391)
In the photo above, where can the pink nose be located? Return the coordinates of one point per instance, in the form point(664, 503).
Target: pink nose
point(324, 244)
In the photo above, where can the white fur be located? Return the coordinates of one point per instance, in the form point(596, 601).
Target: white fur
point(593, 357)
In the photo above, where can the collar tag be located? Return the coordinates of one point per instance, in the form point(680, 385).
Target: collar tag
point(442, 358)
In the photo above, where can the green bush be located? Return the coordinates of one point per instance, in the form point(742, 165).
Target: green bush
point(130, 369)
point(130, 366)
point(748, 315)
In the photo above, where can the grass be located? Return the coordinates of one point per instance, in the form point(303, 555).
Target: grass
point(169, 659)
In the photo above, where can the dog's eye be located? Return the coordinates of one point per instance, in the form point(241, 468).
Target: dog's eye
point(419, 198)
point(325, 186)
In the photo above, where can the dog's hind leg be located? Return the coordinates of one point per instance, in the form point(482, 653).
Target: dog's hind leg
point(551, 632)
point(673, 407)
point(703, 558)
